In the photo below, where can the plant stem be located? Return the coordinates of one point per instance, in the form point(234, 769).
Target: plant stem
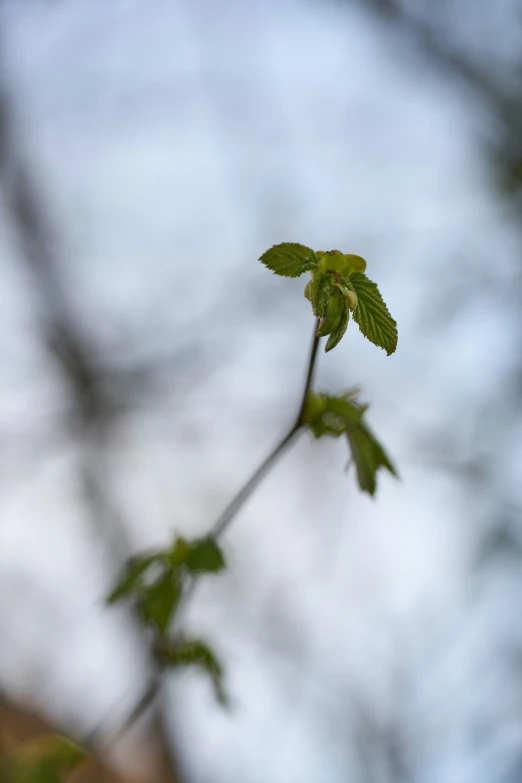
point(224, 520)
point(235, 505)
point(309, 375)
point(142, 705)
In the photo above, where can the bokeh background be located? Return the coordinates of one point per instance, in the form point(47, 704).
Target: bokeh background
point(150, 151)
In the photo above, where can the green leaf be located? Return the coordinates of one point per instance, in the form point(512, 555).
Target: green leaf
point(48, 759)
point(199, 556)
point(319, 291)
point(194, 652)
point(368, 456)
point(159, 601)
point(314, 407)
point(333, 314)
point(332, 415)
point(337, 335)
point(346, 407)
point(178, 552)
point(372, 315)
point(131, 578)
point(289, 259)
point(339, 415)
point(205, 555)
point(336, 416)
point(313, 412)
point(352, 264)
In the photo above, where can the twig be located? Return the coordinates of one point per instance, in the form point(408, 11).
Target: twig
point(226, 517)
point(309, 375)
point(257, 477)
point(141, 706)
point(224, 520)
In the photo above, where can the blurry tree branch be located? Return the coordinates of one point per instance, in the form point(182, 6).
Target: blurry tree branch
point(501, 95)
point(73, 355)
point(393, 12)
point(502, 99)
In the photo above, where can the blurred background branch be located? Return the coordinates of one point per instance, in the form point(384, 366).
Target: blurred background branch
point(91, 408)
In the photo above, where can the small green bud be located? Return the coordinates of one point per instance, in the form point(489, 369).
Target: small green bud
point(332, 261)
point(314, 408)
point(332, 317)
point(350, 296)
point(353, 264)
point(346, 264)
point(351, 299)
point(319, 291)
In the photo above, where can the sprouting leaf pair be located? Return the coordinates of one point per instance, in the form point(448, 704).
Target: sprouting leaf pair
point(337, 416)
point(156, 581)
point(337, 288)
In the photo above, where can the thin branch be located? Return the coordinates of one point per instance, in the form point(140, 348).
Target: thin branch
point(141, 706)
point(226, 517)
point(310, 374)
point(224, 520)
point(257, 477)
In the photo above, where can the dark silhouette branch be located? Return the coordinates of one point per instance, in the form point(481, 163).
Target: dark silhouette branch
point(224, 520)
point(73, 356)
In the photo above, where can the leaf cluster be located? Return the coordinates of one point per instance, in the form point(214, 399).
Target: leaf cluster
point(156, 581)
point(195, 653)
point(344, 416)
point(338, 287)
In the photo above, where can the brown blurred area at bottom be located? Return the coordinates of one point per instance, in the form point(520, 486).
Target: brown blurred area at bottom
point(143, 762)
